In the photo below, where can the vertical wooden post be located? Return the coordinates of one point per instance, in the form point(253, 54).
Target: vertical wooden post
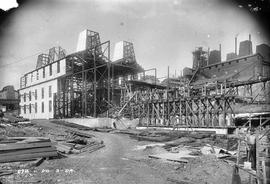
point(224, 112)
point(180, 112)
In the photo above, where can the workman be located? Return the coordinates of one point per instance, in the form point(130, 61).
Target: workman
point(251, 142)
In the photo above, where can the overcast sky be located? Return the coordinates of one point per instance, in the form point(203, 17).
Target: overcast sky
point(164, 33)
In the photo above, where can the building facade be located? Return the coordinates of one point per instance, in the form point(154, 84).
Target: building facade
point(37, 90)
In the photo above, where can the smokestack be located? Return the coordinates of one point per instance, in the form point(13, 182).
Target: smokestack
point(220, 51)
point(208, 53)
point(250, 47)
point(235, 45)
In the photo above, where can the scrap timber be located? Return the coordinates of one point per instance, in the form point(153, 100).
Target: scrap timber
point(26, 148)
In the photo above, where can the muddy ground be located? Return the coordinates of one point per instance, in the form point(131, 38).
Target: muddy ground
point(120, 161)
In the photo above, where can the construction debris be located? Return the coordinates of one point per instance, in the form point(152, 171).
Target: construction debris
point(27, 148)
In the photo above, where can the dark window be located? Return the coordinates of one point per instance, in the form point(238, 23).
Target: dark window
point(230, 63)
point(30, 108)
point(31, 77)
point(36, 107)
point(50, 106)
point(24, 97)
point(44, 72)
point(50, 69)
point(58, 66)
point(37, 76)
point(50, 91)
point(35, 94)
point(24, 109)
point(30, 96)
point(42, 93)
point(42, 106)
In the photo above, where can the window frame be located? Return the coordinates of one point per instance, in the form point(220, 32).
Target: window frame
point(37, 76)
point(35, 94)
point(50, 91)
point(35, 107)
point(58, 66)
point(42, 93)
point(43, 72)
point(50, 68)
point(50, 106)
point(30, 96)
point(42, 107)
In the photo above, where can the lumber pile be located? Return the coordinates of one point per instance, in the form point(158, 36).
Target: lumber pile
point(70, 147)
point(80, 142)
point(14, 149)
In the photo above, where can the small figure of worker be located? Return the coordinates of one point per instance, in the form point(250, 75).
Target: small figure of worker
point(251, 142)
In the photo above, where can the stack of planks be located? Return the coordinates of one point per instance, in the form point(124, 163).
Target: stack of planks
point(79, 145)
point(15, 149)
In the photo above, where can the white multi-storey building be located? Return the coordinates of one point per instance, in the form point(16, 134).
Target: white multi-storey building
point(38, 88)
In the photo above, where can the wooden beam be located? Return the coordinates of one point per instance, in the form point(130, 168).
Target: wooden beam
point(4, 147)
point(29, 156)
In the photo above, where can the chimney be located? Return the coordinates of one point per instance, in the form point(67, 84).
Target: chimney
point(220, 51)
point(250, 48)
point(235, 45)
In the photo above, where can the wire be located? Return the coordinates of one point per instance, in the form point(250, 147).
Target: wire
point(20, 60)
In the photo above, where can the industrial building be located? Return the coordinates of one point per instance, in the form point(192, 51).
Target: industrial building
point(9, 99)
point(211, 94)
point(83, 83)
point(88, 83)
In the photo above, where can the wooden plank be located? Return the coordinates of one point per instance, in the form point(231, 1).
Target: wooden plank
point(82, 134)
point(174, 160)
point(27, 151)
point(24, 139)
point(30, 156)
point(16, 146)
point(5, 173)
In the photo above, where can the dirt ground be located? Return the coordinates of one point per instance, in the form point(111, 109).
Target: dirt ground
point(119, 162)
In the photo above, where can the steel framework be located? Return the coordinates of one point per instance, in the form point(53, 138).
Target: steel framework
point(91, 82)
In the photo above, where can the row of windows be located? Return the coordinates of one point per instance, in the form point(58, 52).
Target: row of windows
point(33, 108)
point(221, 64)
point(29, 94)
point(43, 73)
